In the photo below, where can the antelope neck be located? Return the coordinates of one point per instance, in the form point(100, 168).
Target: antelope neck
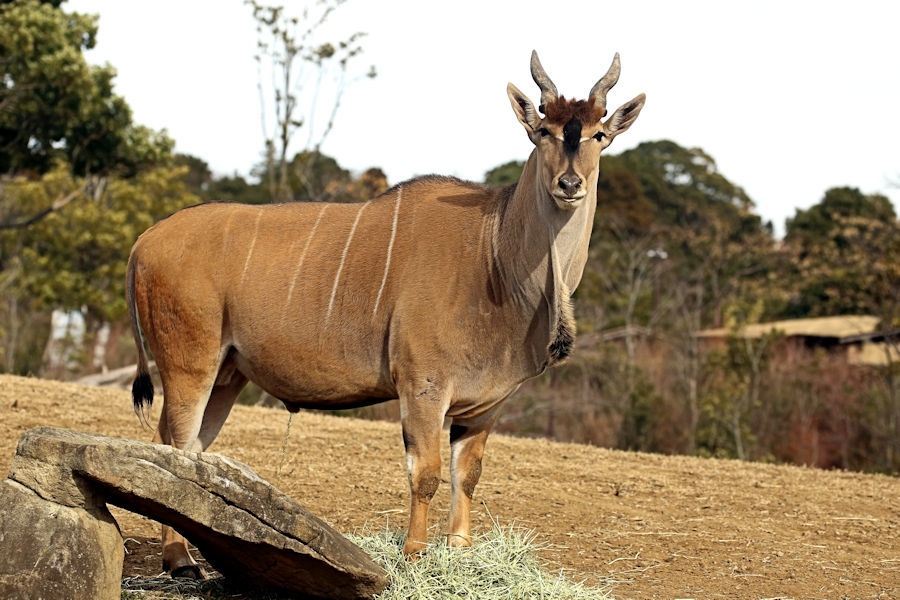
point(540, 249)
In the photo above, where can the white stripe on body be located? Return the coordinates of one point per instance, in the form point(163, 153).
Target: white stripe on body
point(387, 262)
point(337, 276)
point(252, 244)
point(303, 257)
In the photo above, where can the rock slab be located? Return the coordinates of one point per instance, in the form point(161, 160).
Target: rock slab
point(249, 531)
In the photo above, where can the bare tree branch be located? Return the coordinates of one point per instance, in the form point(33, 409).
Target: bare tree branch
point(95, 184)
point(290, 49)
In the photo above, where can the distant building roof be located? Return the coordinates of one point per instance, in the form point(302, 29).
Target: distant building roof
point(874, 355)
point(866, 343)
point(843, 329)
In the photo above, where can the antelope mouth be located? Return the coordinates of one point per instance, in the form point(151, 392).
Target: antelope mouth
point(568, 202)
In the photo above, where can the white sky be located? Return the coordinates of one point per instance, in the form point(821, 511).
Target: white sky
point(790, 98)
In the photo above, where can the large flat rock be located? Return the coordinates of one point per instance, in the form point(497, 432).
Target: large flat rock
point(245, 528)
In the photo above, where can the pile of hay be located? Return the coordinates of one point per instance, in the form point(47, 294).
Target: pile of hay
point(501, 564)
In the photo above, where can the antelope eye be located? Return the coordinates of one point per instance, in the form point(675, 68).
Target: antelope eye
point(544, 131)
point(598, 136)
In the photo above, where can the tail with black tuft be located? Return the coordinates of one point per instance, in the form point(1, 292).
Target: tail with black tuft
point(142, 388)
point(142, 393)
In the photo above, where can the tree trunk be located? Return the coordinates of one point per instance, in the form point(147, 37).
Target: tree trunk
point(694, 413)
point(893, 427)
point(736, 429)
point(99, 354)
point(12, 338)
point(551, 414)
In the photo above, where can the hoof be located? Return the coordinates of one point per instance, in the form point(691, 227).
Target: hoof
point(189, 572)
point(413, 550)
point(455, 540)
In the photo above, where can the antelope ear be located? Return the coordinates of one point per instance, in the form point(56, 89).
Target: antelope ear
point(624, 116)
point(523, 108)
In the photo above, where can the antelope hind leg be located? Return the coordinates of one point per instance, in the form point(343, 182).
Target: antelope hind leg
point(177, 558)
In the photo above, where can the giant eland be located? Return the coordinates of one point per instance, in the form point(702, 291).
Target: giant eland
point(442, 293)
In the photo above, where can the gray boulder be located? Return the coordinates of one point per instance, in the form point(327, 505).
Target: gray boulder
point(50, 551)
point(245, 528)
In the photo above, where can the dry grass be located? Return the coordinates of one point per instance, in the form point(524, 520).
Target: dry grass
point(502, 564)
point(653, 527)
point(166, 588)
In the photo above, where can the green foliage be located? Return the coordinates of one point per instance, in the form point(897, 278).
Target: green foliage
point(197, 176)
point(78, 179)
point(844, 255)
point(683, 193)
point(75, 258)
point(685, 186)
point(732, 382)
point(505, 174)
point(668, 228)
point(314, 176)
point(639, 414)
point(718, 405)
point(54, 106)
point(235, 188)
point(621, 201)
point(317, 177)
point(677, 248)
point(200, 181)
point(815, 225)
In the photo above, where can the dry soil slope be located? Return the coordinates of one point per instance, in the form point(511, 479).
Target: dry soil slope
point(652, 526)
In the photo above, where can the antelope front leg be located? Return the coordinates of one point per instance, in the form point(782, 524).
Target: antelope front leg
point(422, 414)
point(467, 439)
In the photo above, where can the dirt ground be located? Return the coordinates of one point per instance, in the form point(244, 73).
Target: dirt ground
point(649, 526)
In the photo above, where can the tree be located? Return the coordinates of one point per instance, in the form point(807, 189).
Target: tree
point(707, 225)
point(55, 107)
point(198, 175)
point(505, 174)
point(305, 73)
point(234, 188)
point(75, 259)
point(66, 140)
point(675, 246)
point(316, 177)
point(815, 225)
point(843, 254)
point(210, 188)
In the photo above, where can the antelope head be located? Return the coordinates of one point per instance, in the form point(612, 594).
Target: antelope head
point(571, 135)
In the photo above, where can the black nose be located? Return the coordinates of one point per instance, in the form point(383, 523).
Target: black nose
point(570, 184)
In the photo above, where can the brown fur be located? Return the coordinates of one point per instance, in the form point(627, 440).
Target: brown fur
point(561, 111)
point(471, 479)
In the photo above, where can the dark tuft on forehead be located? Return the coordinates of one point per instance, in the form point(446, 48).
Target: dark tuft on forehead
point(572, 135)
point(561, 111)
